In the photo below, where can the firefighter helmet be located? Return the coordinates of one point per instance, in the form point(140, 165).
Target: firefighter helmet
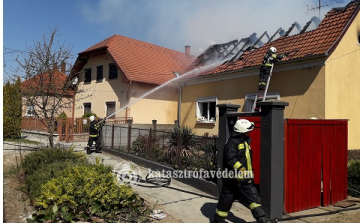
point(92, 118)
point(243, 125)
point(272, 49)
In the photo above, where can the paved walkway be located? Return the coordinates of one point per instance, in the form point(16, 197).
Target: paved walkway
point(185, 203)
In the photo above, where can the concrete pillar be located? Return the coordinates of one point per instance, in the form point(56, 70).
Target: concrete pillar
point(272, 158)
point(225, 125)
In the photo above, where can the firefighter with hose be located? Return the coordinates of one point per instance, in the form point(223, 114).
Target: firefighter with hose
point(94, 133)
point(238, 159)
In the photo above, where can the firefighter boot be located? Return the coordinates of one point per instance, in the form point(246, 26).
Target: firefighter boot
point(262, 219)
point(219, 219)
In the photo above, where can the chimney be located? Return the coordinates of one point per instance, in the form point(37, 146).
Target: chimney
point(187, 50)
point(63, 67)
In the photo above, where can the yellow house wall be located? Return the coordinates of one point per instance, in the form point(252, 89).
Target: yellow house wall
point(161, 105)
point(343, 82)
point(98, 93)
point(302, 88)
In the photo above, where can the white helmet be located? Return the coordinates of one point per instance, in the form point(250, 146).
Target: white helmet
point(243, 125)
point(92, 118)
point(272, 49)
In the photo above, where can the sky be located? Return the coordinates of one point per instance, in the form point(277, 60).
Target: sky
point(167, 23)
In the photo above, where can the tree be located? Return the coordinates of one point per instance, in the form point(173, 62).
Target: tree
point(45, 88)
point(12, 110)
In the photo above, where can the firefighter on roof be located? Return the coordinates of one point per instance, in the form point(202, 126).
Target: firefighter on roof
point(265, 69)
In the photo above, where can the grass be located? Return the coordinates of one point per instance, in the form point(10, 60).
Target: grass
point(22, 141)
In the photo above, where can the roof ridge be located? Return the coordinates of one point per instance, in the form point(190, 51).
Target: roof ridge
point(146, 43)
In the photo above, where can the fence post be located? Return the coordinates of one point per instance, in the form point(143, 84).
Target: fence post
point(112, 135)
point(178, 148)
point(149, 144)
point(272, 158)
point(67, 131)
point(129, 121)
point(154, 123)
point(60, 127)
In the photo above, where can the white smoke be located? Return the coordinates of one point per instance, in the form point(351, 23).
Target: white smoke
point(174, 24)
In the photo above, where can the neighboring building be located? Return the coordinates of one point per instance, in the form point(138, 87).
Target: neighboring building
point(319, 78)
point(119, 70)
point(49, 86)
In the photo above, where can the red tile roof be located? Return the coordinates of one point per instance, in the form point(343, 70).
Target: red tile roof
point(141, 61)
point(42, 83)
point(321, 41)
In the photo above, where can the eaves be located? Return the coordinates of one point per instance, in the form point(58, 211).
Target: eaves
point(295, 64)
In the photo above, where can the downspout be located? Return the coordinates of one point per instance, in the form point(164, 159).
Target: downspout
point(179, 108)
point(177, 74)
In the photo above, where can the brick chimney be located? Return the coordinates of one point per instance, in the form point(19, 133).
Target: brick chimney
point(187, 50)
point(63, 67)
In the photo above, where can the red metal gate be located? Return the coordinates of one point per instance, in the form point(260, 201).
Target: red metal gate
point(315, 163)
point(255, 147)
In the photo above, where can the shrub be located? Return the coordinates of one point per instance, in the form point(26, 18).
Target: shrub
point(86, 192)
point(43, 174)
point(187, 137)
point(12, 112)
point(354, 177)
point(88, 114)
point(62, 116)
point(34, 160)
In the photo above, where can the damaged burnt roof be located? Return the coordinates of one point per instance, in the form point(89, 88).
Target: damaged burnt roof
point(318, 42)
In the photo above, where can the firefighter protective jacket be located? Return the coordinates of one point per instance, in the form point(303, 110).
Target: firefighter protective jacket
point(237, 153)
point(94, 128)
point(271, 58)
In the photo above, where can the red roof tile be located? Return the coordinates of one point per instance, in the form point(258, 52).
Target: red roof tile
point(42, 82)
point(141, 61)
point(320, 41)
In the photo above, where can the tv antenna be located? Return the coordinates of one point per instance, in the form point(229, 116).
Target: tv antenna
point(318, 7)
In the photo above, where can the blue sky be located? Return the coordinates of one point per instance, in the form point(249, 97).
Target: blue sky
point(167, 23)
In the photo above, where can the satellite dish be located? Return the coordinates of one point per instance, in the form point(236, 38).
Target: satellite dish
point(75, 81)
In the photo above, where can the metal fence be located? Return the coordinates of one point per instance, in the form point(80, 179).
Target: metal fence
point(170, 148)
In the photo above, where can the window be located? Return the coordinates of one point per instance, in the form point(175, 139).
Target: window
point(249, 99)
point(87, 78)
point(358, 39)
point(30, 111)
point(112, 71)
point(110, 109)
point(99, 76)
point(87, 108)
point(206, 109)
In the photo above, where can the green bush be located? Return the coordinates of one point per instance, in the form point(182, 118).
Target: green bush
point(12, 111)
point(36, 159)
point(354, 177)
point(62, 115)
point(43, 174)
point(86, 192)
point(88, 114)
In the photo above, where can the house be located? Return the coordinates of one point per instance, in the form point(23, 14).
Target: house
point(117, 72)
point(49, 87)
point(319, 78)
